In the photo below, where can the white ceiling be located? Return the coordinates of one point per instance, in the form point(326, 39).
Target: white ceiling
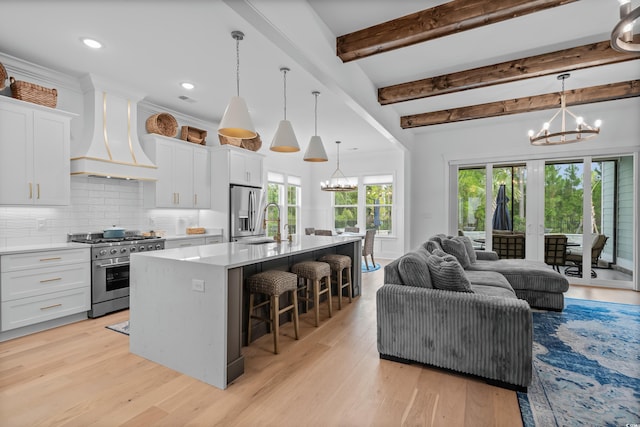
point(155, 45)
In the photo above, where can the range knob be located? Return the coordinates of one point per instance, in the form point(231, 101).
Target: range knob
point(132, 249)
point(113, 251)
point(158, 246)
point(103, 252)
point(141, 248)
point(150, 247)
point(123, 250)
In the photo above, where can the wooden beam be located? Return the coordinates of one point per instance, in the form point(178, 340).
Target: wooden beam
point(589, 95)
point(439, 21)
point(575, 58)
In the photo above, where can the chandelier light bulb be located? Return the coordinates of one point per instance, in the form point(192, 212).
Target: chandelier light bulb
point(545, 126)
point(531, 133)
point(598, 123)
point(579, 120)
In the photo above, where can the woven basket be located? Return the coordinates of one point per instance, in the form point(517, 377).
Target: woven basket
point(195, 135)
point(162, 124)
point(34, 93)
point(252, 144)
point(3, 76)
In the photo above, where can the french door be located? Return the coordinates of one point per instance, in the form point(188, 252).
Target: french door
point(589, 200)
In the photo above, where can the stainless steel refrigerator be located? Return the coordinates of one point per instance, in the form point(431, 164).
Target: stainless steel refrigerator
point(247, 206)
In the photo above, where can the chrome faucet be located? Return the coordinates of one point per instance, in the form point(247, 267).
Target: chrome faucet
point(277, 237)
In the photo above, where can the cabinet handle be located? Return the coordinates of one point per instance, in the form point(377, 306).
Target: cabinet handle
point(38, 187)
point(178, 198)
point(174, 198)
point(50, 259)
point(51, 280)
point(50, 306)
point(30, 190)
point(182, 245)
point(195, 199)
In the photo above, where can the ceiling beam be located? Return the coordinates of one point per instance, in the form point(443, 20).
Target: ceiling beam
point(576, 58)
point(589, 95)
point(439, 21)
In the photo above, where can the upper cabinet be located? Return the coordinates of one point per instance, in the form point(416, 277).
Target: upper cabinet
point(183, 174)
point(234, 165)
point(34, 154)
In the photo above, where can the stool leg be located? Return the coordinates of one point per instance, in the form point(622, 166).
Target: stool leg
point(349, 290)
point(275, 320)
point(316, 301)
point(329, 295)
point(339, 279)
point(251, 296)
point(295, 313)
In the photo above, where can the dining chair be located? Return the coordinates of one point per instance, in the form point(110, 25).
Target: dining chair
point(323, 233)
point(367, 248)
point(555, 250)
point(309, 231)
point(352, 229)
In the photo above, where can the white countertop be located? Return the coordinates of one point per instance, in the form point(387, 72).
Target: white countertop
point(7, 250)
point(231, 255)
point(193, 236)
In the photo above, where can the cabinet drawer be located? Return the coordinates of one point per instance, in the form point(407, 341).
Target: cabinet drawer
point(183, 243)
point(27, 311)
point(29, 260)
point(30, 283)
point(212, 239)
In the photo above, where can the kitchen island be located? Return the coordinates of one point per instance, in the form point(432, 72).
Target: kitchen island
point(186, 304)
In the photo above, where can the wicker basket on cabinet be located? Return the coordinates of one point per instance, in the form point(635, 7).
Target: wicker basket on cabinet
point(34, 93)
point(162, 124)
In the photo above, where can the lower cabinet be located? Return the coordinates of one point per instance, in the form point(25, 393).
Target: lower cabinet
point(191, 241)
point(40, 286)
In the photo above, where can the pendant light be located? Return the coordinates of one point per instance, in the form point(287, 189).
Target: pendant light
point(284, 140)
point(337, 182)
point(315, 151)
point(236, 122)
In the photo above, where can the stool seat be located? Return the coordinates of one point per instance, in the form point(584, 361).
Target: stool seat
point(338, 264)
point(273, 283)
point(314, 272)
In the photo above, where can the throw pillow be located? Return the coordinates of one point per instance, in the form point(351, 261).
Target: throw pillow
point(448, 274)
point(456, 247)
point(414, 270)
point(440, 253)
point(468, 244)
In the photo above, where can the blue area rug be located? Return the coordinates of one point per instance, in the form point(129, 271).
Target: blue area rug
point(371, 267)
point(122, 327)
point(586, 366)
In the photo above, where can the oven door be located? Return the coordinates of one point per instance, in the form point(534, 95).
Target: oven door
point(110, 279)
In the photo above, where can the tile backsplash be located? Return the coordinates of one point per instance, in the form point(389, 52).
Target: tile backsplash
point(96, 203)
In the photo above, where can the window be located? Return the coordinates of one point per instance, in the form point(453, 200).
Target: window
point(345, 209)
point(285, 192)
point(379, 203)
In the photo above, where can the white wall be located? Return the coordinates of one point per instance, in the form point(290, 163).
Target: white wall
point(503, 138)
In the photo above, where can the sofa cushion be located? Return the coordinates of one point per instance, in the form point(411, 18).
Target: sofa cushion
point(468, 244)
point(448, 274)
point(432, 245)
point(493, 291)
point(489, 278)
point(414, 270)
point(525, 274)
point(456, 247)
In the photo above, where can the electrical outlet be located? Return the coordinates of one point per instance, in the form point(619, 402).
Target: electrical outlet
point(41, 224)
point(197, 285)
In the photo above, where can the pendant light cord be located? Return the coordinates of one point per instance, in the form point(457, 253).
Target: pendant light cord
point(284, 71)
point(238, 66)
point(315, 128)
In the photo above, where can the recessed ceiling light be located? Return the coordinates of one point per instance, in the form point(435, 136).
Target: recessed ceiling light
point(93, 44)
point(187, 85)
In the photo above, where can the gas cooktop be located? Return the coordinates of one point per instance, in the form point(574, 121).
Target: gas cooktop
point(96, 238)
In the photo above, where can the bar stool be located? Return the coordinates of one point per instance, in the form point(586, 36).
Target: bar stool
point(314, 272)
point(273, 283)
point(340, 263)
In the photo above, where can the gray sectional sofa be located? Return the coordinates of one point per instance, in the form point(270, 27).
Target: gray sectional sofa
point(463, 316)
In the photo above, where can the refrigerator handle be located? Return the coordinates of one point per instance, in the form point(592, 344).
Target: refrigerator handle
point(252, 214)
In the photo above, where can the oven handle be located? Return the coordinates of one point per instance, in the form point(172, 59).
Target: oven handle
point(112, 265)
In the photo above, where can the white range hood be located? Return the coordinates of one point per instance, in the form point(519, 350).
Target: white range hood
point(109, 146)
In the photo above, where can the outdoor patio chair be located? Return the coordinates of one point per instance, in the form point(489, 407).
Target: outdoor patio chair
point(508, 246)
point(555, 250)
point(575, 256)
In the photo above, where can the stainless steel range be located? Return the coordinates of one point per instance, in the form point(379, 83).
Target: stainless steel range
point(110, 267)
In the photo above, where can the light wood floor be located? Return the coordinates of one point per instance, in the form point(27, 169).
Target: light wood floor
point(84, 375)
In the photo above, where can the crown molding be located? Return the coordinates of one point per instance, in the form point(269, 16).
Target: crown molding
point(25, 70)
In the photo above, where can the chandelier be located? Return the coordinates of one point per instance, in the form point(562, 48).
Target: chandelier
point(337, 182)
point(622, 34)
point(582, 131)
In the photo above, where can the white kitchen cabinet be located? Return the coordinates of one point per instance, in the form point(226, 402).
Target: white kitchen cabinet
point(34, 154)
point(183, 243)
point(42, 286)
point(183, 174)
point(210, 240)
point(245, 168)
